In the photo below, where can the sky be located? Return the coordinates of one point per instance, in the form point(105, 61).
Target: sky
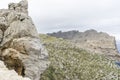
point(65, 15)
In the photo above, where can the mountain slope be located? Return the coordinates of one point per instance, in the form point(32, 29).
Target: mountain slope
point(91, 40)
point(69, 62)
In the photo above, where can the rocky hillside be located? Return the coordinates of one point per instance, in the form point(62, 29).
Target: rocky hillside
point(91, 40)
point(20, 46)
point(69, 62)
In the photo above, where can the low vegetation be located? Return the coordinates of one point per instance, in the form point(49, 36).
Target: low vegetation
point(71, 63)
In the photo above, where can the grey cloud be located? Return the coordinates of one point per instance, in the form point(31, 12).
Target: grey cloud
point(55, 15)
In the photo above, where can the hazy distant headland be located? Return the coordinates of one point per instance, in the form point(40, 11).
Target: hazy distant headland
point(93, 41)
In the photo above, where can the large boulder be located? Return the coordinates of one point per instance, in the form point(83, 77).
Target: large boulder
point(20, 46)
point(6, 74)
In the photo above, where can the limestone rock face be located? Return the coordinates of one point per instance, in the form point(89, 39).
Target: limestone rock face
point(91, 40)
point(6, 74)
point(20, 46)
point(22, 6)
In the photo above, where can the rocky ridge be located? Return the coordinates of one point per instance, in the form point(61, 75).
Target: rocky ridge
point(90, 40)
point(20, 46)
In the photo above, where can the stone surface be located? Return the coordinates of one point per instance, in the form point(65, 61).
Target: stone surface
point(22, 6)
point(6, 74)
point(20, 46)
point(91, 40)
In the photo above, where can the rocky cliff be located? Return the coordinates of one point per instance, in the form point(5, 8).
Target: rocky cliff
point(91, 40)
point(20, 46)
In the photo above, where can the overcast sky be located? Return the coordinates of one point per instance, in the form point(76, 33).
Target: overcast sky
point(55, 15)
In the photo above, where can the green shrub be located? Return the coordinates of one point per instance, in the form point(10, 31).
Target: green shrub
point(69, 62)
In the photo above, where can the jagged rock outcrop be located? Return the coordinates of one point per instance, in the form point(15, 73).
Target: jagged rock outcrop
point(20, 46)
point(6, 74)
point(90, 40)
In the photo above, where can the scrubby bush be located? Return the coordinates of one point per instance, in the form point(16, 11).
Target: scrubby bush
point(69, 62)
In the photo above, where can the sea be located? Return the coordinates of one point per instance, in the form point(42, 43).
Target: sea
point(118, 45)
